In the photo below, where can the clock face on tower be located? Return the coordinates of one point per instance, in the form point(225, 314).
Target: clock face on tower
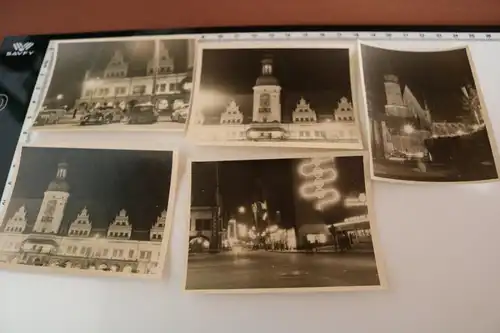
point(265, 102)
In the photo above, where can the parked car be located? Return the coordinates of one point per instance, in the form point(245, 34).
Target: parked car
point(142, 114)
point(106, 115)
point(180, 115)
point(46, 117)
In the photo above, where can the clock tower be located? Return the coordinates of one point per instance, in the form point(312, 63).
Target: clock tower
point(56, 196)
point(266, 95)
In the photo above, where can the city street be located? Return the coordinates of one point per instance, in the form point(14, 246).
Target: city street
point(261, 269)
point(434, 172)
point(397, 170)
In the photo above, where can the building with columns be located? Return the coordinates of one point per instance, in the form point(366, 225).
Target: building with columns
point(119, 248)
point(267, 121)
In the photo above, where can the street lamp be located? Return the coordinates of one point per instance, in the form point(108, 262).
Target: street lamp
point(408, 129)
point(241, 209)
point(60, 97)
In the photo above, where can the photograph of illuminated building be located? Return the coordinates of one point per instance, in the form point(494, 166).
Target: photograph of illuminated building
point(89, 211)
point(427, 121)
point(281, 95)
point(118, 84)
point(281, 223)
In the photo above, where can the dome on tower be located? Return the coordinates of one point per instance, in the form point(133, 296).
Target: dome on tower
point(266, 78)
point(58, 185)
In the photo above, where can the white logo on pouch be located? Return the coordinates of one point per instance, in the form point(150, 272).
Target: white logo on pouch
point(3, 101)
point(21, 49)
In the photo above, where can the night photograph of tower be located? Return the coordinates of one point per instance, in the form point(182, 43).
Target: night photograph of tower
point(427, 121)
point(298, 97)
point(96, 210)
point(281, 223)
point(118, 84)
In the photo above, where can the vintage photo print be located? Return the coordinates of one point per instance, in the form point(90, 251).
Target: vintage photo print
point(89, 211)
point(118, 84)
point(426, 117)
point(272, 94)
point(287, 224)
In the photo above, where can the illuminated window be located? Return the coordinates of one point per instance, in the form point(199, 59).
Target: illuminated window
point(267, 69)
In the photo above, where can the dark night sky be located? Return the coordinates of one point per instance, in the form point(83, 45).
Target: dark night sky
point(321, 76)
point(74, 59)
point(436, 77)
point(103, 180)
point(242, 182)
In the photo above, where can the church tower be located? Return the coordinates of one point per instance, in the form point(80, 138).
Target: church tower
point(54, 201)
point(266, 95)
point(395, 105)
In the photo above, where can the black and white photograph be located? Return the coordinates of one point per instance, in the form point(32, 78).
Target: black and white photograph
point(89, 212)
point(286, 224)
point(267, 94)
point(426, 117)
point(142, 84)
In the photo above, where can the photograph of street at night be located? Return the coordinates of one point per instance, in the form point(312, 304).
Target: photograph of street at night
point(280, 223)
point(426, 118)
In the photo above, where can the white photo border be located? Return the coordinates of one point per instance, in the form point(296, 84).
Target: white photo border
point(158, 275)
point(427, 48)
point(350, 46)
point(377, 247)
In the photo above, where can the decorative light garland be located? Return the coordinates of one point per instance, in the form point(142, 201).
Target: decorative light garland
point(321, 176)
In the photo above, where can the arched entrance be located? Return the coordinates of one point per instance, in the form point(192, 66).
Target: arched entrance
point(199, 244)
point(115, 268)
point(127, 269)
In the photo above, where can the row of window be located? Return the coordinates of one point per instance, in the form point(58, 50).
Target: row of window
point(305, 119)
point(118, 234)
point(115, 74)
point(307, 134)
point(79, 232)
point(161, 70)
point(344, 118)
point(87, 251)
point(156, 236)
point(124, 223)
point(231, 121)
point(116, 253)
point(14, 229)
point(136, 90)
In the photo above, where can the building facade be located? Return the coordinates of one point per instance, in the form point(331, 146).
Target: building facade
point(406, 125)
point(267, 123)
point(81, 246)
point(161, 83)
point(232, 115)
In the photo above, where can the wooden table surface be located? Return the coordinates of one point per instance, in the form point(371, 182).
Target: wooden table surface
point(50, 16)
